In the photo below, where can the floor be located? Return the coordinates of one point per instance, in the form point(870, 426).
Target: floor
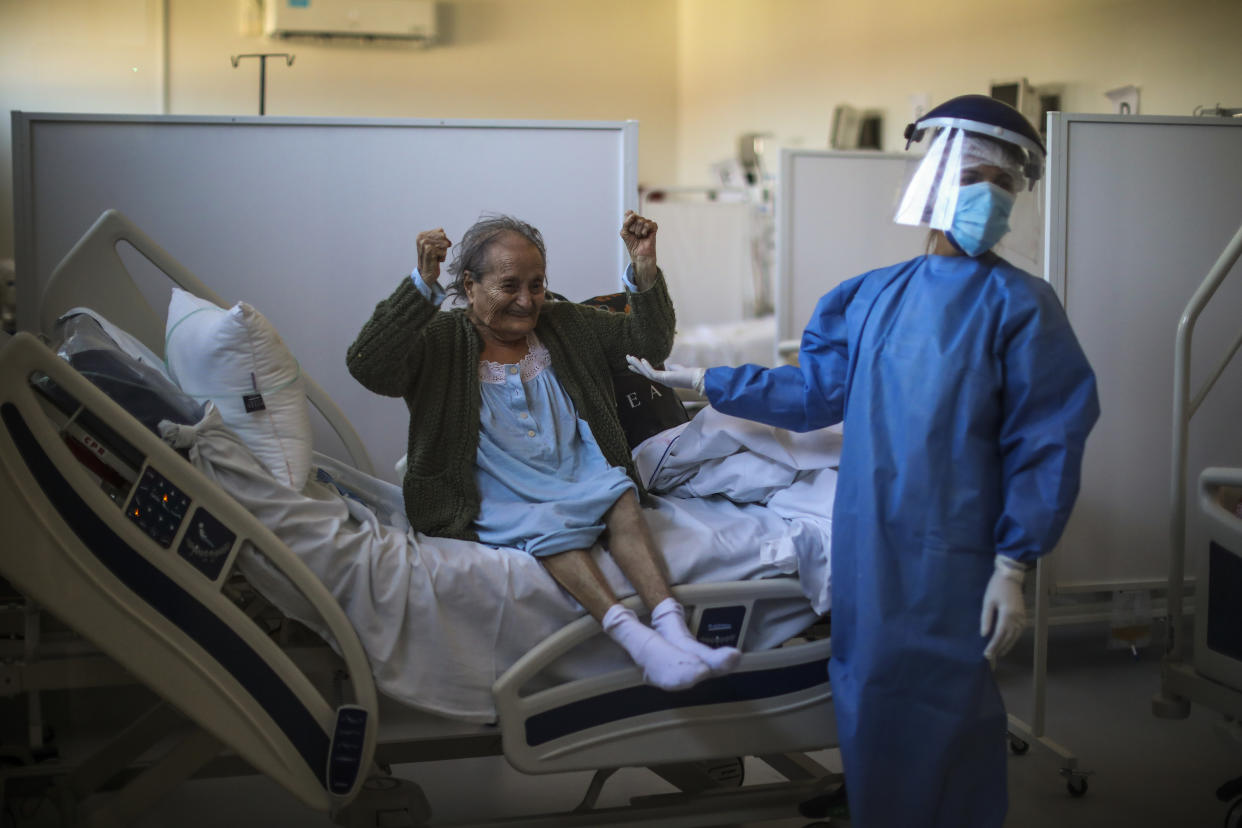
point(1144, 772)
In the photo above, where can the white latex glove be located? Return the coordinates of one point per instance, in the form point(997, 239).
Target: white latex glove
point(675, 376)
point(1003, 607)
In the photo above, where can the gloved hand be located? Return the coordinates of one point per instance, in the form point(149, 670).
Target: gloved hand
point(675, 376)
point(1003, 607)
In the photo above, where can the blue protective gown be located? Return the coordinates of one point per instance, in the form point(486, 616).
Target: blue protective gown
point(966, 402)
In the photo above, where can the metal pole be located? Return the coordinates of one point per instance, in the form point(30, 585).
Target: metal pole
point(236, 59)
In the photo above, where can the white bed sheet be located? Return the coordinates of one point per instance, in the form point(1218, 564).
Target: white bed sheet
point(441, 619)
point(794, 475)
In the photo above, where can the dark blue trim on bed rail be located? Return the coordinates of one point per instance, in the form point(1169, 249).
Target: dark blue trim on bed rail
point(642, 699)
point(174, 603)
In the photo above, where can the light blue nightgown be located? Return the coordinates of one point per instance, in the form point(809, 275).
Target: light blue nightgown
point(544, 483)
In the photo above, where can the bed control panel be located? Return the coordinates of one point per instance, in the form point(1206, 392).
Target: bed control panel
point(345, 753)
point(721, 626)
point(206, 543)
point(157, 506)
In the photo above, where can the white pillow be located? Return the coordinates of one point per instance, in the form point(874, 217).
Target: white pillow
point(236, 359)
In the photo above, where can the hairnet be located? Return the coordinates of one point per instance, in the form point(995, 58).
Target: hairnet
point(979, 150)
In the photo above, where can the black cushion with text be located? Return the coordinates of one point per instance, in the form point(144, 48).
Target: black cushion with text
point(644, 407)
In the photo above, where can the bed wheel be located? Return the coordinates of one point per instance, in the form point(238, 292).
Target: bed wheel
point(1076, 785)
point(1018, 746)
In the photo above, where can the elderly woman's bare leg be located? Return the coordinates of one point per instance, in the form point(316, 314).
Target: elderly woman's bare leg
point(632, 547)
point(581, 577)
point(663, 664)
point(634, 550)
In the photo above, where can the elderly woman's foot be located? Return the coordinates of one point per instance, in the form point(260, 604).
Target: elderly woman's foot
point(669, 619)
point(663, 664)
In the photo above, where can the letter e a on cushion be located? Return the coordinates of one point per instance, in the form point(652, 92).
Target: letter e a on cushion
point(236, 359)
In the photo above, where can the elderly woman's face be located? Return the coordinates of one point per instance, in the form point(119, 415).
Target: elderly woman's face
point(506, 300)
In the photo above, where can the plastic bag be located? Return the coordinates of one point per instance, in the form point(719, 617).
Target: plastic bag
point(140, 389)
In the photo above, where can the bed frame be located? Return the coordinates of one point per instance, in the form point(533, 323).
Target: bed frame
point(1214, 676)
point(129, 546)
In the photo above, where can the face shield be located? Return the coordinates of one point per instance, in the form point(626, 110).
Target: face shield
point(967, 186)
point(956, 158)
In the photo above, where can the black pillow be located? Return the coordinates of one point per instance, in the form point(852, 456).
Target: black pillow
point(645, 408)
point(138, 388)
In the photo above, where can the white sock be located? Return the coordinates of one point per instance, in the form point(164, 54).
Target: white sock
point(663, 665)
point(669, 618)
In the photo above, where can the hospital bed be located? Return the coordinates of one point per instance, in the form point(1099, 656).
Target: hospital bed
point(134, 562)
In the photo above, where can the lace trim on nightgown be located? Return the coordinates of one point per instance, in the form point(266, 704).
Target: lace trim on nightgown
point(531, 365)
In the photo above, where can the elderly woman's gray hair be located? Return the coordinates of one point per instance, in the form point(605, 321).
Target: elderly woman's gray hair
point(470, 254)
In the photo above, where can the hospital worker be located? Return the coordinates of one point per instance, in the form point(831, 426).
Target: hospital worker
point(965, 401)
point(514, 438)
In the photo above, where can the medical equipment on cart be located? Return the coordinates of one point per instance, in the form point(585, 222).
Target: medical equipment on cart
point(140, 553)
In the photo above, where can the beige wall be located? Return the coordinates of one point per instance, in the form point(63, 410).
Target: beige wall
point(74, 56)
point(694, 73)
point(781, 66)
point(524, 59)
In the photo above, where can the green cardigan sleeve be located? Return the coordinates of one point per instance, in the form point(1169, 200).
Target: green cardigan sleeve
point(646, 331)
point(386, 355)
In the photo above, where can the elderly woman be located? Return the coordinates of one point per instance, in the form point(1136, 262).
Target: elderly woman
point(514, 438)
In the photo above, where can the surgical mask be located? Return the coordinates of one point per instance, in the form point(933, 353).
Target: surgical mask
point(981, 218)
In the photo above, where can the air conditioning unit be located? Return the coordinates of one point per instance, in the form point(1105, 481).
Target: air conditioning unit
point(400, 19)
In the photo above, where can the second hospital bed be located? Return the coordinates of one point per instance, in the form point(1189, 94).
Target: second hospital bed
point(482, 653)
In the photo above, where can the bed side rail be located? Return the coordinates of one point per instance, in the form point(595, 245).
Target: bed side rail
point(125, 541)
point(1178, 678)
point(1184, 408)
point(93, 275)
point(775, 701)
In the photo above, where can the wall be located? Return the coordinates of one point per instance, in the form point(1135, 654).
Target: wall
point(501, 59)
point(74, 56)
point(695, 73)
point(781, 66)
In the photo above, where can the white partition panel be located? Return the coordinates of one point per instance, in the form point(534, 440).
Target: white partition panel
point(313, 221)
point(834, 221)
point(707, 256)
point(1139, 209)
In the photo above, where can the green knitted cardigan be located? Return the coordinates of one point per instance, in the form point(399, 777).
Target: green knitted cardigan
point(430, 357)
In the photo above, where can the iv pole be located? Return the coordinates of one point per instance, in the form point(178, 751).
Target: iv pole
point(262, 56)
